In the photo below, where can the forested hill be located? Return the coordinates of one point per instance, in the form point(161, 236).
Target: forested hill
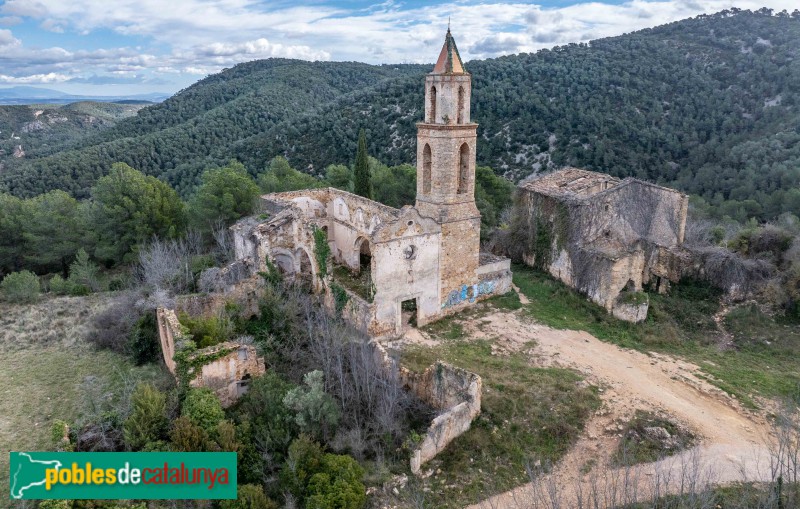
point(709, 104)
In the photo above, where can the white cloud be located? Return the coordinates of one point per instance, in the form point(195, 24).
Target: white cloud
point(7, 40)
point(34, 79)
point(199, 37)
point(10, 20)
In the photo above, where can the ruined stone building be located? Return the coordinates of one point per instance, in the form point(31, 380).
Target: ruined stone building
point(604, 236)
point(392, 267)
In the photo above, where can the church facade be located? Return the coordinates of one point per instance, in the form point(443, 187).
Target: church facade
point(384, 268)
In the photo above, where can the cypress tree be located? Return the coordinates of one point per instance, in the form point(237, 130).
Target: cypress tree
point(363, 182)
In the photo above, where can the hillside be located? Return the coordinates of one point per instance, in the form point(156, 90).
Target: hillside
point(37, 128)
point(709, 105)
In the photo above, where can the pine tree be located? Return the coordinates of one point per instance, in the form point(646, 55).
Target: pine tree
point(363, 181)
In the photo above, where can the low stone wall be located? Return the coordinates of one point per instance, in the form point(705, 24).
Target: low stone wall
point(455, 391)
point(449, 388)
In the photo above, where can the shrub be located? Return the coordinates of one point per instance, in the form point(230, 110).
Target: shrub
point(250, 496)
point(322, 481)
point(60, 286)
point(21, 287)
point(59, 434)
point(55, 504)
point(207, 331)
point(187, 436)
point(147, 422)
point(316, 411)
point(339, 485)
point(649, 437)
point(272, 430)
point(633, 298)
point(143, 340)
point(83, 274)
point(112, 327)
point(304, 460)
point(203, 409)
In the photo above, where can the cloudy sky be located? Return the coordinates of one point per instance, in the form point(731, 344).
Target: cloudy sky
point(112, 47)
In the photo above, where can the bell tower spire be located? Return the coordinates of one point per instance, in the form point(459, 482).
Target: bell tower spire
point(446, 144)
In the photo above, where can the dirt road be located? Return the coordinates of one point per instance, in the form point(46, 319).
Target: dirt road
point(732, 440)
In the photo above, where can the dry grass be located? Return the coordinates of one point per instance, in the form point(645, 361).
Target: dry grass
point(43, 361)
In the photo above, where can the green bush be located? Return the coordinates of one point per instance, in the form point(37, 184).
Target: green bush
point(84, 274)
point(60, 286)
point(187, 436)
point(249, 496)
point(322, 481)
point(20, 287)
point(148, 421)
point(143, 340)
point(202, 407)
point(316, 412)
point(339, 485)
point(207, 331)
point(269, 419)
point(304, 460)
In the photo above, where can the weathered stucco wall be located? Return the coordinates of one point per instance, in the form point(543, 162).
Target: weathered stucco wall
point(603, 236)
point(229, 365)
point(230, 371)
point(454, 391)
point(406, 267)
point(457, 393)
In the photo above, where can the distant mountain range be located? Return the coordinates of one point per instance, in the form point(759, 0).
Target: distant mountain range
point(35, 95)
point(709, 105)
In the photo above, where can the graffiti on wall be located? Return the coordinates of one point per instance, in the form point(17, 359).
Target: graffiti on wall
point(468, 293)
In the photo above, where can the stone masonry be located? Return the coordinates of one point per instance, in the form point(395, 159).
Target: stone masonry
point(420, 262)
point(604, 236)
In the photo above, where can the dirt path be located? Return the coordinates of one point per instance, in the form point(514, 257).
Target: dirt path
point(732, 440)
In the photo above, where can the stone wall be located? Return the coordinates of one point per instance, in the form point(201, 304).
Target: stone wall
point(228, 368)
point(169, 332)
point(229, 372)
point(603, 236)
point(454, 391)
point(244, 294)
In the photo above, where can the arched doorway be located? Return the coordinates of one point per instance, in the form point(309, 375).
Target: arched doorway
point(305, 274)
point(364, 255)
point(284, 262)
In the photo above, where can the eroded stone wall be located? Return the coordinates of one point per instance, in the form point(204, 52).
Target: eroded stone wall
point(606, 239)
point(230, 371)
point(225, 368)
point(454, 391)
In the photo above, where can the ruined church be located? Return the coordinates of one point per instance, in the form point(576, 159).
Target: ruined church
point(390, 268)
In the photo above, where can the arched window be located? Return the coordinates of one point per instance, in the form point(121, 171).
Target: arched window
point(432, 118)
point(463, 170)
point(460, 106)
point(426, 169)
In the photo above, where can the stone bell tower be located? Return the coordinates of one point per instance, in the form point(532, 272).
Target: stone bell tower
point(446, 143)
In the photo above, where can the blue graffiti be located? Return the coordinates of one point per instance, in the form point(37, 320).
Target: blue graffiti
point(469, 293)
